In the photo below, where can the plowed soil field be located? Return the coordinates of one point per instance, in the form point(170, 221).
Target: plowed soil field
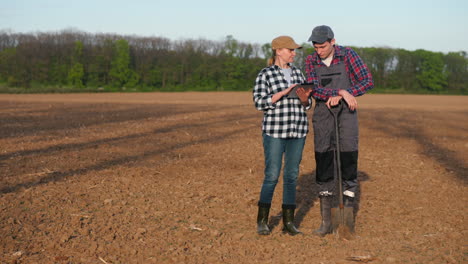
point(175, 178)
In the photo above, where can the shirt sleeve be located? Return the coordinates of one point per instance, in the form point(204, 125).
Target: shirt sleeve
point(319, 92)
point(361, 76)
point(261, 97)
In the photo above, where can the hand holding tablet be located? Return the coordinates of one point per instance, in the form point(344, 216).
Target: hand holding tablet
point(306, 86)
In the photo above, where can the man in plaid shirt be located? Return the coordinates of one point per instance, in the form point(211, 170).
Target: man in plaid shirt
point(284, 128)
point(338, 73)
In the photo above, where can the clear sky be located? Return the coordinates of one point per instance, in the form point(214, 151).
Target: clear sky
point(408, 24)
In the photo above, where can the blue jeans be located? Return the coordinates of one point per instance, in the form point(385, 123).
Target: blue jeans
point(274, 149)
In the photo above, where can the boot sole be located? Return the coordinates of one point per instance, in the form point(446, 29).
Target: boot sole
point(290, 233)
point(321, 234)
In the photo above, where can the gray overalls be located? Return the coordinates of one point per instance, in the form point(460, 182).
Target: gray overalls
point(335, 77)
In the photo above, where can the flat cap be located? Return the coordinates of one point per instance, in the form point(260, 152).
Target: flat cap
point(320, 34)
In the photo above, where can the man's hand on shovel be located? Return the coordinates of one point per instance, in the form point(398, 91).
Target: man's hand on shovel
point(349, 99)
point(332, 101)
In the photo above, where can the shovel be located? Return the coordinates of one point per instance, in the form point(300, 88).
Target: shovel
point(342, 218)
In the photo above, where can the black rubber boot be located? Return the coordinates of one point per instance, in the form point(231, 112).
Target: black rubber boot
point(325, 210)
point(288, 220)
point(348, 201)
point(262, 219)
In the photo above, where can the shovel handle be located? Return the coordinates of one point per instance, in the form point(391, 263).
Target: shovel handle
point(335, 110)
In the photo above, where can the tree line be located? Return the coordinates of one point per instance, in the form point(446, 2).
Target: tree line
point(78, 61)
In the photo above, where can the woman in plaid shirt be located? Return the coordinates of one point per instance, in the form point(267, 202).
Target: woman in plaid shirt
point(284, 128)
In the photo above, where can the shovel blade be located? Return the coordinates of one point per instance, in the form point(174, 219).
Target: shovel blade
point(342, 221)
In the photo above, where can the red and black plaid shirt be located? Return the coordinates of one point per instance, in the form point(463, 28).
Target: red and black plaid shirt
point(358, 73)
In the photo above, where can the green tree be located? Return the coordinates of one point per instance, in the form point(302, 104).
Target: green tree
point(457, 72)
point(381, 63)
point(7, 65)
point(431, 75)
point(76, 72)
point(231, 46)
point(75, 75)
point(98, 63)
point(402, 77)
point(266, 49)
point(120, 73)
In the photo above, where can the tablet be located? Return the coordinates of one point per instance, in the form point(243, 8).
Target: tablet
point(306, 86)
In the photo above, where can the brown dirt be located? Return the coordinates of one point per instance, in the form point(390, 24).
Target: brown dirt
point(175, 178)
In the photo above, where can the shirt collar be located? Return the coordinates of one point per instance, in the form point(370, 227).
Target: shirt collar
point(339, 52)
point(276, 67)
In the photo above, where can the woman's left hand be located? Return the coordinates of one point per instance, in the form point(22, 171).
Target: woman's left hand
point(303, 95)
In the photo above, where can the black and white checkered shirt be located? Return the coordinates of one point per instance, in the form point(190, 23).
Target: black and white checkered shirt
point(287, 117)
